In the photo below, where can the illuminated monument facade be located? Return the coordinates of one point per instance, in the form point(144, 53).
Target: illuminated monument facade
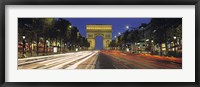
point(95, 30)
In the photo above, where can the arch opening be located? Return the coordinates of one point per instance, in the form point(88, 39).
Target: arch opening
point(99, 43)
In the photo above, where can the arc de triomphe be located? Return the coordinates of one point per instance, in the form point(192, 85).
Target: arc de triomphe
point(94, 30)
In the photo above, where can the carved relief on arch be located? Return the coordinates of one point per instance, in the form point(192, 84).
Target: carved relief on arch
point(99, 34)
point(90, 35)
point(108, 36)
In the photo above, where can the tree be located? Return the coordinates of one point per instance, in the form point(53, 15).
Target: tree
point(37, 26)
point(113, 44)
point(125, 37)
point(62, 29)
point(161, 28)
point(48, 23)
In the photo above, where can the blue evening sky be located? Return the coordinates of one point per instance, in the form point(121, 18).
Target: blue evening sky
point(118, 24)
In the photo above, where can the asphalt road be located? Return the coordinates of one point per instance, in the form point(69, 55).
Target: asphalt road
point(122, 61)
point(60, 61)
point(104, 62)
point(95, 60)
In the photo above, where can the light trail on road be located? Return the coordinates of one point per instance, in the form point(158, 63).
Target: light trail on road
point(58, 61)
point(129, 61)
point(99, 60)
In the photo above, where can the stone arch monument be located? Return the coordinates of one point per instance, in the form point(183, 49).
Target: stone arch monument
point(94, 30)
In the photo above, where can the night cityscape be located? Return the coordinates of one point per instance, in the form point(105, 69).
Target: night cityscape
point(99, 43)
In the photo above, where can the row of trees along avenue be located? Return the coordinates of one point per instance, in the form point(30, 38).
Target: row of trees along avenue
point(162, 36)
point(42, 36)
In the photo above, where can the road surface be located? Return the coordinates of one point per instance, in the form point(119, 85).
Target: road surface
point(119, 60)
point(99, 60)
point(83, 59)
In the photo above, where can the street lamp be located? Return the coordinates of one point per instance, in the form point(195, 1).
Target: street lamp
point(65, 45)
point(152, 41)
point(24, 45)
point(152, 46)
point(115, 36)
point(174, 37)
point(70, 26)
point(174, 43)
point(24, 37)
point(76, 49)
point(47, 42)
point(127, 27)
point(119, 33)
point(138, 47)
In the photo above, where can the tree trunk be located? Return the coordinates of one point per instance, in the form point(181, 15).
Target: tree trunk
point(37, 45)
point(49, 47)
point(60, 45)
point(161, 49)
point(166, 48)
point(44, 46)
point(56, 41)
point(31, 45)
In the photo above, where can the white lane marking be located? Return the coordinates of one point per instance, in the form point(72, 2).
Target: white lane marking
point(69, 61)
point(46, 58)
point(48, 64)
point(92, 61)
point(39, 59)
point(53, 63)
point(63, 58)
point(76, 64)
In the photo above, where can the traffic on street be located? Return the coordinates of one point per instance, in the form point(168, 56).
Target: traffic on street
point(96, 59)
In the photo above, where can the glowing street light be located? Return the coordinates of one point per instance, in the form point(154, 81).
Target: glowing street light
point(24, 37)
point(127, 27)
point(48, 44)
point(174, 43)
point(24, 45)
point(174, 37)
point(76, 49)
point(115, 36)
point(119, 33)
point(70, 26)
point(47, 41)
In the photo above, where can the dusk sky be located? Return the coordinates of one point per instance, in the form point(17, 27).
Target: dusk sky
point(118, 25)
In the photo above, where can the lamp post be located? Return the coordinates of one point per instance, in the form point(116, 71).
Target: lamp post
point(65, 47)
point(147, 45)
point(152, 46)
point(70, 38)
point(174, 43)
point(138, 47)
point(47, 42)
point(24, 45)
